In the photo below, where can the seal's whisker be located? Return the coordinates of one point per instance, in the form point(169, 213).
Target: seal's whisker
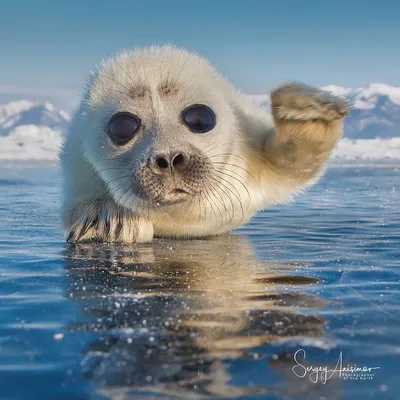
point(234, 165)
point(98, 172)
point(234, 175)
point(136, 67)
point(219, 195)
point(123, 69)
point(208, 197)
point(202, 204)
point(207, 206)
point(191, 205)
point(219, 183)
point(115, 81)
point(161, 67)
point(162, 210)
point(167, 81)
point(213, 146)
point(118, 91)
point(224, 172)
point(212, 197)
point(237, 197)
point(188, 80)
point(183, 65)
point(118, 189)
point(112, 181)
point(230, 154)
point(222, 200)
point(98, 178)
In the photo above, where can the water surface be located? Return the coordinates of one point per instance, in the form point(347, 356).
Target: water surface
point(220, 318)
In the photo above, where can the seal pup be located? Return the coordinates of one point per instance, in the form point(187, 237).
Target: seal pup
point(163, 145)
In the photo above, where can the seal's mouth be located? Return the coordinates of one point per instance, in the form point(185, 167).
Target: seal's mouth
point(173, 196)
point(176, 195)
point(178, 191)
point(171, 193)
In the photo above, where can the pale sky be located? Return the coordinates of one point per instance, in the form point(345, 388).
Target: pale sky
point(48, 47)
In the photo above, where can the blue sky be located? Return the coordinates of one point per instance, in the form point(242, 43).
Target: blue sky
point(48, 47)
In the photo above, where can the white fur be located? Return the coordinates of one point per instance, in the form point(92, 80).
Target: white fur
point(98, 172)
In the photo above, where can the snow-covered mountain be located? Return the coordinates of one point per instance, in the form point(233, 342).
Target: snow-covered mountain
point(376, 111)
point(24, 112)
point(32, 130)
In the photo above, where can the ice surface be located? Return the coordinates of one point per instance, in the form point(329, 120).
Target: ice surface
point(368, 149)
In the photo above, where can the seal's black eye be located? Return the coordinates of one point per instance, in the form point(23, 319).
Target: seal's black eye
point(122, 127)
point(199, 118)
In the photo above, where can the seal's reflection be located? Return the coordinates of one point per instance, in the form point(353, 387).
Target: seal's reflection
point(170, 315)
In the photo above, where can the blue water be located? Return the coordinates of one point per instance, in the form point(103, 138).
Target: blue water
point(220, 318)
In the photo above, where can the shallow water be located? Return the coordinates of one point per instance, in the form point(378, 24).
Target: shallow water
point(220, 318)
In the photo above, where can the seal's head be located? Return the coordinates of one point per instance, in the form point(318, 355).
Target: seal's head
point(157, 126)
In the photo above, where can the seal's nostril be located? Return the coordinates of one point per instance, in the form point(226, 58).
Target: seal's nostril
point(178, 159)
point(162, 162)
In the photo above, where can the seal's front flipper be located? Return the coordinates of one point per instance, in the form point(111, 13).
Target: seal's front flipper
point(308, 124)
point(106, 223)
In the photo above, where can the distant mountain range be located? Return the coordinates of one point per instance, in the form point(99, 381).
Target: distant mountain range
point(34, 130)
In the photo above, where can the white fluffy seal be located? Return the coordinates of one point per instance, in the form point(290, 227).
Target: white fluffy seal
point(163, 145)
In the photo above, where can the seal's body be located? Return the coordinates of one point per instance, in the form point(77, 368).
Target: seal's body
point(163, 145)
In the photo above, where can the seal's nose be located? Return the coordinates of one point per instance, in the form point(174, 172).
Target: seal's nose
point(162, 163)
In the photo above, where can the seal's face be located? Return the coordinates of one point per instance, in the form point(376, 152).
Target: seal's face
point(158, 127)
point(167, 176)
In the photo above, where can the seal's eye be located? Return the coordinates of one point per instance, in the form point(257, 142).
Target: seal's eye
point(199, 118)
point(122, 127)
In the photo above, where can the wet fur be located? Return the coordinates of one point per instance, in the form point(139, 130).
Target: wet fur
point(248, 161)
